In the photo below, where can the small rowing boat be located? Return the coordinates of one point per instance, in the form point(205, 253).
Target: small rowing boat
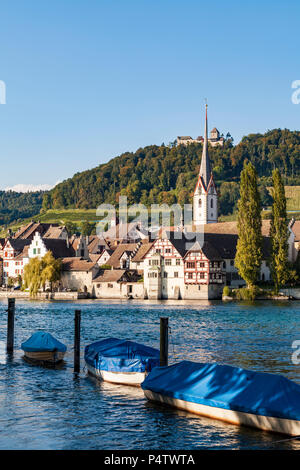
point(42, 347)
point(120, 361)
point(265, 401)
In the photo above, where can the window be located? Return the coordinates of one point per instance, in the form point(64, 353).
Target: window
point(152, 275)
point(211, 203)
point(158, 250)
point(231, 262)
point(98, 286)
point(168, 262)
point(178, 262)
point(176, 274)
point(165, 274)
point(34, 251)
point(190, 265)
point(202, 265)
point(224, 264)
point(110, 285)
point(202, 275)
point(190, 275)
point(38, 251)
point(168, 250)
point(200, 203)
point(155, 262)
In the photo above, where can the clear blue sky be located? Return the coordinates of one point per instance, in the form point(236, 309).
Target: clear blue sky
point(89, 79)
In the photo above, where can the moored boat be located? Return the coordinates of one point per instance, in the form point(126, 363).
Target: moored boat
point(120, 361)
point(42, 347)
point(265, 401)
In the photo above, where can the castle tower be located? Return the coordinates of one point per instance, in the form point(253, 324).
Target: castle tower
point(205, 199)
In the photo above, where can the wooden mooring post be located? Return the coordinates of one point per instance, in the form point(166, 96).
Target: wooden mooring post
point(164, 341)
point(77, 341)
point(10, 325)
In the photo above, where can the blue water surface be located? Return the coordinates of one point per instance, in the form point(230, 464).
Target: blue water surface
point(45, 408)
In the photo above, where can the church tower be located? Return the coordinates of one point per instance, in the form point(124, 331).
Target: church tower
point(205, 199)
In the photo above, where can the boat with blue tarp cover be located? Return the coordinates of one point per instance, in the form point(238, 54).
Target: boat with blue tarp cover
point(265, 401)
point(120, 361)
point(43, 347)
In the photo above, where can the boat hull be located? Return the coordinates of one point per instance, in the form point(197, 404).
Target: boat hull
point(124, 378)
point(265, 423)
point(45, 356)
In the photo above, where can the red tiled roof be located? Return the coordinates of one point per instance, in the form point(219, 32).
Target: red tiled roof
point(76, 264)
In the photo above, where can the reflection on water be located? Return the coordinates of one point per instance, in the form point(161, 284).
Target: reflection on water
point(51, 408)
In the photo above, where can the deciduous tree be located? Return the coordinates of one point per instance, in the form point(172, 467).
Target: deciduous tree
point(249, 246)
point(279, 233)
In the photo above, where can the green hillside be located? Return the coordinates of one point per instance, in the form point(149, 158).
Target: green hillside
point(63, 217)
point(160, 174)
point(14, 205)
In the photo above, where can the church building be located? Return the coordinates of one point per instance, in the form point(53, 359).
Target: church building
point(205, 199)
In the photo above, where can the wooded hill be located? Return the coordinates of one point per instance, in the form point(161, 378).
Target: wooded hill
point(18, 206)
point(167, 174)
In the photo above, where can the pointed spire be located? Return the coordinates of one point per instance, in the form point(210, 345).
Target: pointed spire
point(205, 171)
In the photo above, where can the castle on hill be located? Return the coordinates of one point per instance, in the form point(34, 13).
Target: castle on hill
point(214, 139)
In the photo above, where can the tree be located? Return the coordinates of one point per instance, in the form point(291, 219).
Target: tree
point(265, 197)
point(50, 269)
point(32, 276)
point(229, 196)
point(39, 271)
point(249, 246)
point(279, 233)
point(71, 227)
point(86, 228)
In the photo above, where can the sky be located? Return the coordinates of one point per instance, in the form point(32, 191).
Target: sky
point(89, 79)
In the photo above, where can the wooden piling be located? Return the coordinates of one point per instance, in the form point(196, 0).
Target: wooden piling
point(164, 341)
point(10, 325)
point(77, 341)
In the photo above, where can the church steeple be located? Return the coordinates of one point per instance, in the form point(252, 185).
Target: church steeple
point(205, 198)
point(205, 171)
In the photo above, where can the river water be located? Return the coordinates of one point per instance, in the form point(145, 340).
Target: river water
point(45, 408)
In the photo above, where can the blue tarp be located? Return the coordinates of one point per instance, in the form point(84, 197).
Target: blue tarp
point(227, 387)
point(42, 341)
point(117, 355)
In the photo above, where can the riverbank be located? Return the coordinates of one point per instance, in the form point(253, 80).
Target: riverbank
point(285, 294)
point(258, 293)
point(44, 295)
